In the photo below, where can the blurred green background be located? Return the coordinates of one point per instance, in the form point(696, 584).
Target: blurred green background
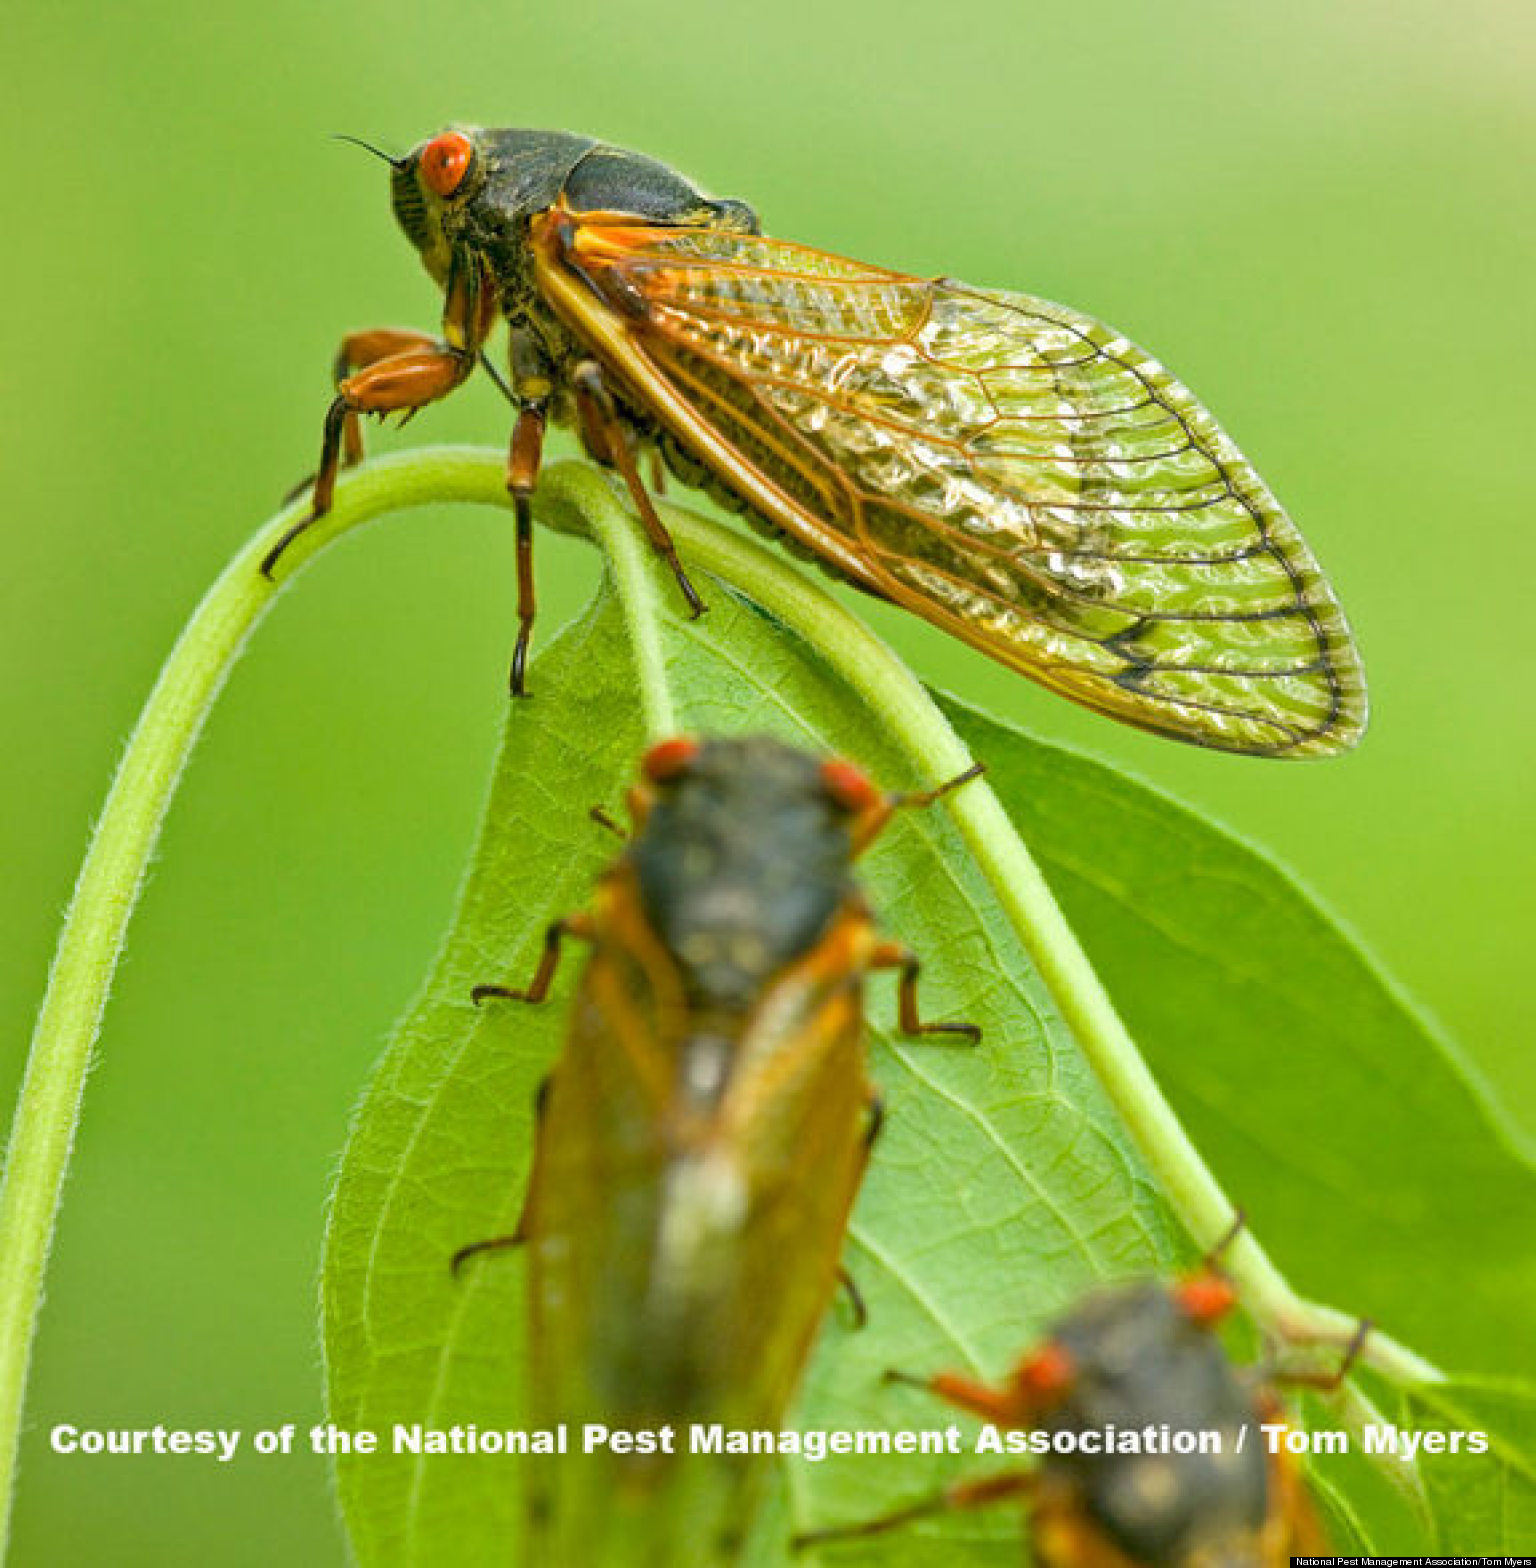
point(1320, 215)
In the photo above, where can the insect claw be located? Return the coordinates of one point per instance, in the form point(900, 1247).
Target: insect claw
point(495, 1244)
point(504, 992)
point(306, 483)
point(517, 678)
point(275, 554)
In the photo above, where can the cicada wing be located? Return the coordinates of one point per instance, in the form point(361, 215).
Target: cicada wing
point(796, 1119)
point(1296, 1530)
point(1014, 471)
point(599, 1177)
point(682, 1260)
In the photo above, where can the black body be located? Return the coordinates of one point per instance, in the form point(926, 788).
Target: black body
point(1139, 1359)
point(516, 174)
point(743, 863)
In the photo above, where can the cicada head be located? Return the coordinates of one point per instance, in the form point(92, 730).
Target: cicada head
point(433, 178)
point(469, 188)
point(743, 853)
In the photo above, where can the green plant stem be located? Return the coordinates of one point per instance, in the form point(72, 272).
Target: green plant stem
point(121, 846)
point(573, 498)
point(795, 598)
point(631, 560)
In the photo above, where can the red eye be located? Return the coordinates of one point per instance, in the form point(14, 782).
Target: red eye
point(445, 160)
point(1047, 1375)
point(1206, 1298)
point(669, 759)
point(848, 787)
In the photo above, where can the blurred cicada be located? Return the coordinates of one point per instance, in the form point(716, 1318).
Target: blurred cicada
point(701, 1139)
point(1150, 1454)
point(1011, 470)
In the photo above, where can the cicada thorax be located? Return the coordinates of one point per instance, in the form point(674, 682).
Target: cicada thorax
point(700, 1146)
point(519, 176)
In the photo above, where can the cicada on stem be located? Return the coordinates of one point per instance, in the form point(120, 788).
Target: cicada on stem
point(1011, 470)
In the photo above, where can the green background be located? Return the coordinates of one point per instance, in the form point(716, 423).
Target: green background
point(1320, 215)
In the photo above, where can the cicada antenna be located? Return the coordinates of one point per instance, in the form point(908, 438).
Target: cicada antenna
point(378, 152)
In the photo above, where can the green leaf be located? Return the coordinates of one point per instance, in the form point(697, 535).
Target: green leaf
point(1345, 1125)
point(1483, 1503)
point(1003, 1184)
point(438, 1153)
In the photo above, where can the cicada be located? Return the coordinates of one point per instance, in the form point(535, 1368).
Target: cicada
point(1011, 470)
point(1139, 1360)
point(701, 1138)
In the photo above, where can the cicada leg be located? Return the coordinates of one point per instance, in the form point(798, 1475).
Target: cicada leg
point(875, 1105)
point(874, 821)
point(606, 438)
point(999, 1406)
point(1223, 1245)
point(523, 462)
point(359, 350)
point(578, 926)
point(520, 1235)
point(387, 370)
point(892, 955)
point(963, 1495)
point(494, 1244)
point(920, 799)
point(604, 819)
point(392, 371)
point(854, 1294)
point(1328, 1382)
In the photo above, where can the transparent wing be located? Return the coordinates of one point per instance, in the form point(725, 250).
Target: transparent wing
point(1016, 472)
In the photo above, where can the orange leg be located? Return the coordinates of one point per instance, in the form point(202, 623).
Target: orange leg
point(963, 1495)
point(1000, 1406)
point(892, 955)
point(873, 822)
point(399, 372)
point(494, 1244)
point(606, 439)
point(359, 350)
point(1219, 1251)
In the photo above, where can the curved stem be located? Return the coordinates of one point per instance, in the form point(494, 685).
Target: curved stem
point(576, 498)
point(47, 1109)
point(865, 663)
